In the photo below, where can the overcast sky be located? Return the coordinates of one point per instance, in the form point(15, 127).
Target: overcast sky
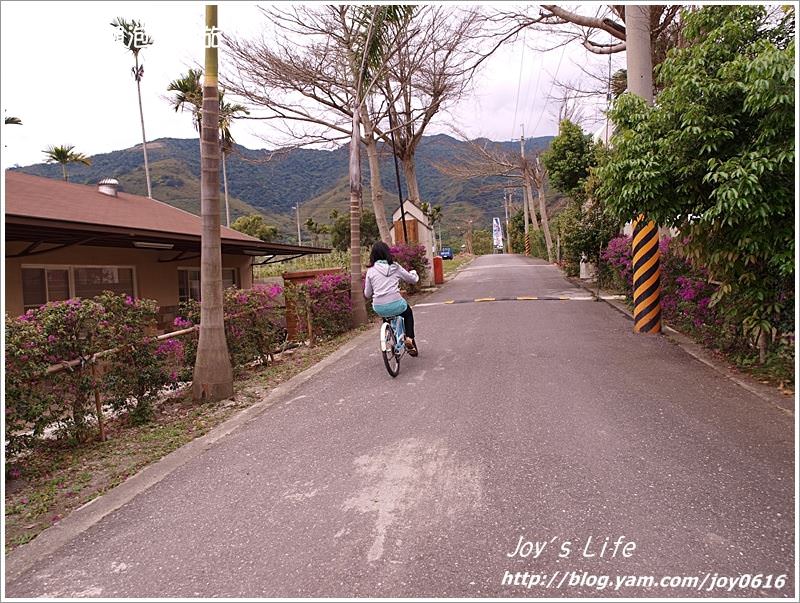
point(70, 82)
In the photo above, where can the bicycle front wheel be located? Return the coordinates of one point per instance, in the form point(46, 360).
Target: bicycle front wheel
point(390, 356)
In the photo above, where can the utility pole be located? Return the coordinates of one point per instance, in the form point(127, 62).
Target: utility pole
point(527, 194)
point(297, 213)
point(646, 269)
point(508, 232)
point(524, 203)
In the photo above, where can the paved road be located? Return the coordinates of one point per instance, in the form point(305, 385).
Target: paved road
point(540, 421)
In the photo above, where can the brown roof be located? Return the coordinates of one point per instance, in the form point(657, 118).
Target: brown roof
point(37, 197)
point(58, 212)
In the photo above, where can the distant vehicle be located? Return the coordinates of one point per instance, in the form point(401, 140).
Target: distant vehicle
point(446, 253)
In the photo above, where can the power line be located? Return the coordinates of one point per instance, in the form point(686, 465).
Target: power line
point(553, 83)
point(535, 93)
point(519, 85)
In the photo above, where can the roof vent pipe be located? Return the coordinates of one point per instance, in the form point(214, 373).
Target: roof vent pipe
point(108, 186)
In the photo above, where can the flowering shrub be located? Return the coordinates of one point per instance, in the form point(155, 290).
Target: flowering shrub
point(76, 329)
point(328, 298)
point(135, 374)
point(618, 257)
point(411, 257)
point(686, 292)
point(28, 405)
point(253, 325)
point(73, 329)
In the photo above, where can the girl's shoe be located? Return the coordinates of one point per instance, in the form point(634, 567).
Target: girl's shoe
point(411, 347)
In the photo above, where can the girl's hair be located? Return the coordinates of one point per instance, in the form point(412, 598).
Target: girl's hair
point(380, 251)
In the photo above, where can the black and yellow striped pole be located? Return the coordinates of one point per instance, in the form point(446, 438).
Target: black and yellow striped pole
point(646, 277)
point(527, 243)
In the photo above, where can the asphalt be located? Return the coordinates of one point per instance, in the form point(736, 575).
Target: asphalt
point(546, 421)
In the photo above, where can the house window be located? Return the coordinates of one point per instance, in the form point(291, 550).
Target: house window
point(92, 281)
point(42, 284)
point(189, 282)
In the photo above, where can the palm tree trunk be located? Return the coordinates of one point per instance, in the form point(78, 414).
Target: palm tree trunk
point(64, 171)
point(144, 138)
point(213, 375)
point(225, 184)
point(356, 287)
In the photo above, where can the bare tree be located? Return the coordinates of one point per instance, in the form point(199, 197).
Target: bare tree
point(438, 52)
point(306, 91)
point(607, 22)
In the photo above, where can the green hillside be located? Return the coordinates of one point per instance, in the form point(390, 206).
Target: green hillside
point(259, 182)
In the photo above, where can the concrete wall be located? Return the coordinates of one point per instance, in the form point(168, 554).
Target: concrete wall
point(153, 279)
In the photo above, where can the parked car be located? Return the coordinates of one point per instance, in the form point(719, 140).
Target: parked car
point(446, 253)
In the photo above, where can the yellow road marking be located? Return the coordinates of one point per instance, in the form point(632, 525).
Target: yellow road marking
point(450, 301)
point(484, 299)
point(563, 297)
point(526, 297)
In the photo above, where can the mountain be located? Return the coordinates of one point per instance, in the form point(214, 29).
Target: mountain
point(260, 181)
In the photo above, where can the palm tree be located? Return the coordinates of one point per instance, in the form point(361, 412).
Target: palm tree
point(213, 375)
point(134, 39)
point(16, 121)
point(189, 94)
point(65, 155)
point(227, 113)
point(368, 48)
point(189, 97)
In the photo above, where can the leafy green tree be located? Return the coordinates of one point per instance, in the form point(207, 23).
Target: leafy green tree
point(571, 155)
point(340, 230)
point(134, 38)
point(255, 226)
point(316, 229)
point(64, 155)
point(714, 157)
point(481, 242)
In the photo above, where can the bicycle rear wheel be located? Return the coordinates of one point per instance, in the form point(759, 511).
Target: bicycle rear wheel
point(390, 356)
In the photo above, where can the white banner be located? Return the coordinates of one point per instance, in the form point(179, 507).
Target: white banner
point(497, 233)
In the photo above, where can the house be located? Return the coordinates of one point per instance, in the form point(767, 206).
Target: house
point(418, 230)
point(72, 240)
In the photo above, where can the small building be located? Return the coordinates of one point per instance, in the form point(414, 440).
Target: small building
point(68, 240)
point(419, 232)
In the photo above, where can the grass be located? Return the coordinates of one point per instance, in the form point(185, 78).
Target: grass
point(334, 259)
point(56, 478)
point(451, 266)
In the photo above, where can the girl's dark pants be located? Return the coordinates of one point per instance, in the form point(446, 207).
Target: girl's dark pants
point(408, 322)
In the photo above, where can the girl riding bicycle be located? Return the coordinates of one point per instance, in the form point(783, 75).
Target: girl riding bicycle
point(383, 285)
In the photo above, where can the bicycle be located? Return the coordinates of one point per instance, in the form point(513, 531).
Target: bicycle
point(393, 346)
